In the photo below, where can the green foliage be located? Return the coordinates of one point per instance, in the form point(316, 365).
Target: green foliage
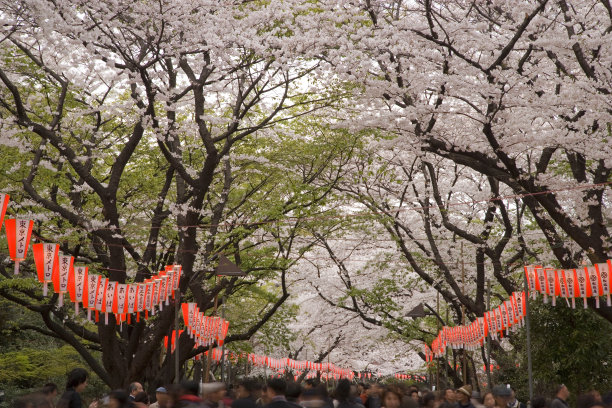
point(569, 346)
point(28, 369)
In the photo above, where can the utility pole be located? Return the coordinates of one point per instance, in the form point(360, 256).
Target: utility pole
point(488, 338)
point(209, 355)
point(438, 321)
point(177, 303)
point(464, 362)
point(528, 324)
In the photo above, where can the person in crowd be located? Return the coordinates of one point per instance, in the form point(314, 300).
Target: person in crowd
point(342, 395)
point(561, 395)
point(488, 401)
point(76, 383)
point(501, 394)
point(450, 396)
point(463, 396)
point(249, 390)
point(596, 394)
point(428, 400)
point(230, 396)
point(212, 394)
point(607, 400)
point(311, 383)
point(392, 397)
point(35, 400)
point(161, 398)
point(312, 398)
point(275, 394)
point(119, 399)
point(514, 403)
point(294, 390)
point(141, 400)
point(540, 402)
point(354, 397)
point(49, 390)
point(475, 400)
point(414, 394)
point(134, 389)
point(373, 396)
point(187, 395)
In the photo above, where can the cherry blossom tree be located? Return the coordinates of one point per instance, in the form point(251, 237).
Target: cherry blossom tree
point(518, 93)
point(142, 134)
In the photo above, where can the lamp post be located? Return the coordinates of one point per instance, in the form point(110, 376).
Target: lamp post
point(224, 268)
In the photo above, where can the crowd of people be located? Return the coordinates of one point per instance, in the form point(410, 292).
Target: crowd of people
point(278, 393)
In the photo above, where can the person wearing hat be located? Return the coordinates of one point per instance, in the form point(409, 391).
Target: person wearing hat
point(161, 398)
point(502, 395)
point(212, 394)
point(463, 396)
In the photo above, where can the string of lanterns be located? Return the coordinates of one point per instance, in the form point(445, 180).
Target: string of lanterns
point(570, 284)
point(94, 292)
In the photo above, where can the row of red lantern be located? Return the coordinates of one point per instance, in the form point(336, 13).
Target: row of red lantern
point(494, 323)
point(98, 293)
point(589, 281)
point(411, 377)
point(204, 329)
point(300, 365)
point(95, 292)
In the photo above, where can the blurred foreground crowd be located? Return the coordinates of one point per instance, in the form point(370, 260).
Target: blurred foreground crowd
point(278, 393)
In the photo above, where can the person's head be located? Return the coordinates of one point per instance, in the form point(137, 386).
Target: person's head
point(135, 388)
point(248, 388)
point(310, 383)
point(464, 394)
point(449, 395)
point(276, 387)
point(161, 396)
point(562, 392)
point(142, 397)
point(343, 390)
point(77, 379)
point(118, 399)
point(392, 397)
point(414, 394)
point(312, 398)
point(49, 390)
point(596, 395)
point(188, 387)
point(214, 392)
point(361, 388)
point(294, 390)
point(429, 400)
point(488, 401)
point(502, 394)
point(35, 400)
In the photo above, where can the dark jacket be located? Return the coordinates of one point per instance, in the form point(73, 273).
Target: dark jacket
point(189, 401)
point(70, 399)
point(468, 405)
point(245, 403)
point(279, 402)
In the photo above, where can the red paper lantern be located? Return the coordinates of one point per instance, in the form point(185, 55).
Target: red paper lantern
point(77, 286)
point(4, 200)
point(18, 232)
point(61, 276)
point(46, 260)
point(89, 297)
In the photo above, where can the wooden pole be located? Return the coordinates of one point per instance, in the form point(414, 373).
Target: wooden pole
point(464, 367)
point(177, 306)
point(209, 356)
